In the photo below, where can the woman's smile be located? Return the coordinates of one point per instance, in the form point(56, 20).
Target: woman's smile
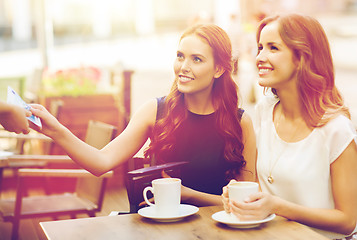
point(264, 70)
point(185, 79)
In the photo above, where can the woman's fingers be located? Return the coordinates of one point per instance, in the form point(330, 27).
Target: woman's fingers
point(225, 200)
point(254, 209)
point(26, 130)
point(246, 214)
point(28, 113)
point(254, 197)
point(246, 217)
point(164, 174)
point(225, 197)
point(242, 208)
point(225, 192)
point(226, 205)
point(38, 110)
point(232, 181)
point(37, 106)
point(143, 203)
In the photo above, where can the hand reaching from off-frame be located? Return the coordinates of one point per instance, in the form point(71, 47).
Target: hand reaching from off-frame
point(13, 118)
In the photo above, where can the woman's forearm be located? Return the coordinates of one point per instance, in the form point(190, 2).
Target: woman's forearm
point(201, 199)
point(122, 148)
point(83, 154)
point(327, 219)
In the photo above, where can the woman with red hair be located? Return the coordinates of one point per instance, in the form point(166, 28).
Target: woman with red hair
point(307, 151)
point(199, 121)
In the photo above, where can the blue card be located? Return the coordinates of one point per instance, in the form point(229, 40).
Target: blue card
point(14, 98)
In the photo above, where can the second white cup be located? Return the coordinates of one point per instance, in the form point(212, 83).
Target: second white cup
point(239, 191)
point(167, 196)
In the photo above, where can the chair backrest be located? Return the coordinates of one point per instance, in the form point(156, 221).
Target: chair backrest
point(55, 107)
point(98, 135)
point(138, 179)
point(76, 112)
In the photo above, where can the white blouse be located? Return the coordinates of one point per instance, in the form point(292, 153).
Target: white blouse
point(301, 170)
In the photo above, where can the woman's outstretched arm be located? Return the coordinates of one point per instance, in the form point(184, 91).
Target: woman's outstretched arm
point(116, 152)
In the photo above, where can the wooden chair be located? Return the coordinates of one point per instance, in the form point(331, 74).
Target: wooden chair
point(136, 180)
point(75, 112)
point(29, 161)
point(13, 166)
point(95, 128)
point(87, 199)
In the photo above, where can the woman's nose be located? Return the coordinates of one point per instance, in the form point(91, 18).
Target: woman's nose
point(185, 67)
point(261, 57)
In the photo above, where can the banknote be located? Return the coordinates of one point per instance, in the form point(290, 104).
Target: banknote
point(14, 98)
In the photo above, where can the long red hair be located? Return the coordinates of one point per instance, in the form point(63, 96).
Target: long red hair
point(224, 98)
point(320, 99)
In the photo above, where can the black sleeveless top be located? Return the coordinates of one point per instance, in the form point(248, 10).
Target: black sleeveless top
point(199, 143)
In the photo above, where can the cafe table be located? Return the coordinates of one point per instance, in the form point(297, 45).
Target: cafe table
point(22, 138)
point(197, 226)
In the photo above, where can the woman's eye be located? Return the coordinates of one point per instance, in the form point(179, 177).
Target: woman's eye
point(179, 55)
point(197, 59)
point(274, 48)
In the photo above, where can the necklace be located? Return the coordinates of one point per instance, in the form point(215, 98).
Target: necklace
point(270, 178)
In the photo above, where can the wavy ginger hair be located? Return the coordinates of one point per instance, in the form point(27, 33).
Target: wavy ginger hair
point(320, 99)
point(224, 98)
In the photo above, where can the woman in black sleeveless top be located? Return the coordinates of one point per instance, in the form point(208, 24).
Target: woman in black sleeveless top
point(199, 122)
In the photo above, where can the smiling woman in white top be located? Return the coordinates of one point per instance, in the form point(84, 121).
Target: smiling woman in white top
point(307, 145)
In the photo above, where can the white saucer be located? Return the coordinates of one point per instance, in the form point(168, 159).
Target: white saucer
point(225, 218)
point(184, 211)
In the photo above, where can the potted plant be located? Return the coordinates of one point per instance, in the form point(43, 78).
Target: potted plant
point(81, 100)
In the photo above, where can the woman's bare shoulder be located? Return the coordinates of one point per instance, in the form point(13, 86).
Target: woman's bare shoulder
point(147, 112)
point(246, 121)
point(247, 126)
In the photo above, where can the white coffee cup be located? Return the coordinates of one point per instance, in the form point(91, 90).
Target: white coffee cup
point(167, 196)
point(239, 191)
